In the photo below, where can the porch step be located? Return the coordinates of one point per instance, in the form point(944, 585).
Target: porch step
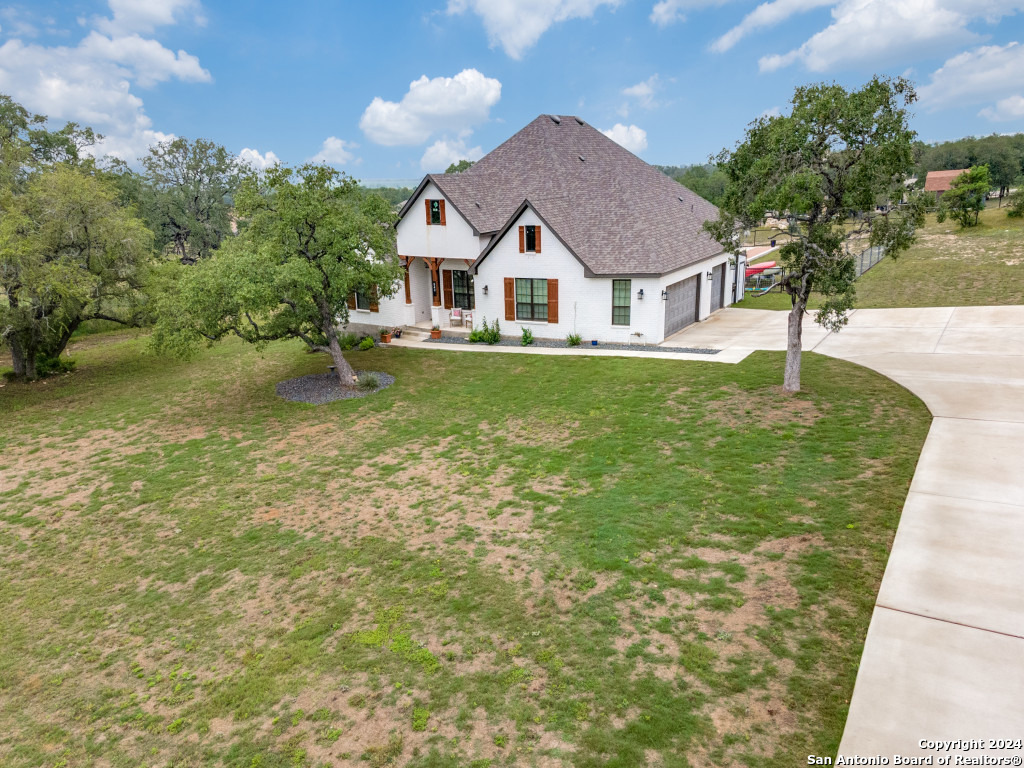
point(411, 330)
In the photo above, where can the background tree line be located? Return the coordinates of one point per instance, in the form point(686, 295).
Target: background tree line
point(83, 240)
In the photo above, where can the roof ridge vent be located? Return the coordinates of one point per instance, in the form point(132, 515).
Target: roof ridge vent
point(555, 119)
point(680, 199)
point(582, 158)
point(579, 121)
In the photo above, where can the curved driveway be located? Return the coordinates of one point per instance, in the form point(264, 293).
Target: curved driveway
point(944, 655)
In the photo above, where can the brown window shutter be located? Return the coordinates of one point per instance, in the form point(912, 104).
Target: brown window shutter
point(446, 281)
point(536, 235)
point(351, 300)
point(552, 296)
point(442, 212)
point(374, 299)
point(510, 296)
point(427, 204)
point(522, 239)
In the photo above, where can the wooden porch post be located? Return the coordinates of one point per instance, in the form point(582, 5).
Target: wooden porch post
point(435, 277)
point(406, 261)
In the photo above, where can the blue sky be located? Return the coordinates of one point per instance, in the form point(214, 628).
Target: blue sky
point(392, 90)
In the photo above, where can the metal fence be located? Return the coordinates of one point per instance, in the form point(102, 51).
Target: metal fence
point(866, 259)
point(770, 279)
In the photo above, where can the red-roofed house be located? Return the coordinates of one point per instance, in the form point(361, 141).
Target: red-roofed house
point(941, 181)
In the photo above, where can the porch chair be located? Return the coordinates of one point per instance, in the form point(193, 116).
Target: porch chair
point(455, 316)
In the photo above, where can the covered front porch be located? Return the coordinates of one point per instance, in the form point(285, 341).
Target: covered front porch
point(440, 292)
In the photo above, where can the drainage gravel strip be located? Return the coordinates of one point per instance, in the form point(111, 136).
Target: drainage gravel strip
point(555, 344)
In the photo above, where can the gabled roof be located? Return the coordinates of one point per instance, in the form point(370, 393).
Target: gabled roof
point(614, 212)
point(941, 181)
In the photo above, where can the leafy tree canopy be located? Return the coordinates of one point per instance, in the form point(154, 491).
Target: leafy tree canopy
point(309, 238)
point(27, 144)
point(186, 195)
point(824, 168)
point(460, 166)
point(966, 197)
point(68, 253)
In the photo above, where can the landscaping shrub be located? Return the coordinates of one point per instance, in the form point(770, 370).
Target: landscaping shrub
point(527, 337)
point(486, 334)
point(366, 343)
point(348, 341)
point(573, 339)
point(368, 380)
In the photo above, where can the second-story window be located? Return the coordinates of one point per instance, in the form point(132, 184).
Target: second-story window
point(435, 212)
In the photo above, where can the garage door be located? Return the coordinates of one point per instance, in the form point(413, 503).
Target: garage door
point(717, 287)
point(681, 306)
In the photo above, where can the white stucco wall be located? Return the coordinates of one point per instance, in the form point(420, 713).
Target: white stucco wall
point(584, 304)
point(455, 240)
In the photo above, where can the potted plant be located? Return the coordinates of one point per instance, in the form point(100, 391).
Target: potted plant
point(435, 332)
point(396, 332)
point(385, 336)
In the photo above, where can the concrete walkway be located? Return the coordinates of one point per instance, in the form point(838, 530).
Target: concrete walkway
point(944, 656)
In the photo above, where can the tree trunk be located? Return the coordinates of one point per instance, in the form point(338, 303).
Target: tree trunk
point(346, 375)
point(794, 346)
point(17, 357)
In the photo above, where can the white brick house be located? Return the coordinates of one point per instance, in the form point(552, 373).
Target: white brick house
point(559, 230)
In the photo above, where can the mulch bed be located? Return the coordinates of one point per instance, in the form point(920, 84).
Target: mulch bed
point(562, 344)
point(321, 388)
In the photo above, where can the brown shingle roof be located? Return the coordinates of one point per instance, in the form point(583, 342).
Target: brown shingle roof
point(616, 213)
point(940, 181)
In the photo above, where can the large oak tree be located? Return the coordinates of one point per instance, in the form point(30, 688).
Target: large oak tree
point(309, 238)
point(69, 252)
point(828, 169)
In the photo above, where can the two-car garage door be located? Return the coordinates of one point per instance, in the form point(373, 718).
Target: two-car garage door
point(682, 304)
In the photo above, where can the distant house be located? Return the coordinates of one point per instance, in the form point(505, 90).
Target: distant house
point(941, 181)
point(559, 229)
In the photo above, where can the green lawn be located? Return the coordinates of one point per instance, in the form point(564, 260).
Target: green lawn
point(947, 267)
point(500, 560)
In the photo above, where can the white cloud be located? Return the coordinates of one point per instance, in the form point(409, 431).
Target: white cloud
point(765, 15)
point(92, 82)
point(1010, 108)
point(991, 73)
point(146, 15)
point(631, 137)
point(444, 152)
point(667, 12)
point(772, 112)
point(517, 25)
point(880, 33)
point(335, 151)
point(256, 161)
point(150, 63)
point(643, 92)
point(444, 104)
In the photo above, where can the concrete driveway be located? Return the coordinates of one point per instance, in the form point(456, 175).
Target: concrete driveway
point(944, 655)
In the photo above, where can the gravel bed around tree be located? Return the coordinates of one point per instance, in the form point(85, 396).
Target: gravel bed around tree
point(560, 344)
point(321, 388)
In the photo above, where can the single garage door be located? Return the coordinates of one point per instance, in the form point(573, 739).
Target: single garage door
point(682, 304)
point(717, 287)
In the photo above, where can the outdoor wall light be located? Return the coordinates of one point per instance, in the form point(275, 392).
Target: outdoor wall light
point(433, 287)
point(485, 290)
point(664, 295)
point(732, 263)
point(426, 266)
point(640, 294)
point(711, 275)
